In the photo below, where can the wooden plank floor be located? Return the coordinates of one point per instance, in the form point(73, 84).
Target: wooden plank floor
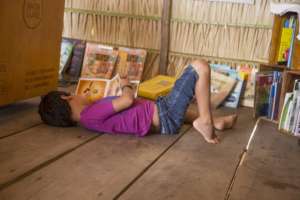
point(20, 116)
point(45, 162)
point(271, 169)
point(22, 153)
point(193, 169)
point(99, 169)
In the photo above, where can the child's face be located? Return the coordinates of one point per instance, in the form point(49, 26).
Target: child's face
point(79, 100)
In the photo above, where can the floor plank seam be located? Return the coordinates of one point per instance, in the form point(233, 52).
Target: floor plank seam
point(232, 181)
point(241, 159)
point(45, 164)
point(150, 165)
point(20, 131)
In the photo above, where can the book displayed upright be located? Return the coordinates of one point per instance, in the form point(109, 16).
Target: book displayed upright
point(131, 62)
point(99, 61)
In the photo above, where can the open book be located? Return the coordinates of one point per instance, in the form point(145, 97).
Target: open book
point(95, 89)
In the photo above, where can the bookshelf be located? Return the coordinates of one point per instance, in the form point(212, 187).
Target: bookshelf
point(289, 75)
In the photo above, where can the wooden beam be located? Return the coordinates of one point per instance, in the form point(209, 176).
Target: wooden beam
point(165, 36)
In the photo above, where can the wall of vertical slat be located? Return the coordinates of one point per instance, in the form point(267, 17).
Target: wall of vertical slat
point(219, 32)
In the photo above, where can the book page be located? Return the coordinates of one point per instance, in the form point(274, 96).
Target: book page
point(92, 89)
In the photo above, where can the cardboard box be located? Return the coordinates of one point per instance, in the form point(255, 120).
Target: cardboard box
point(155, 87)
point(30, 38)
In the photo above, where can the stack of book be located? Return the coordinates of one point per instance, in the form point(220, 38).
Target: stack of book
point(287, 40)
point(290, 115)
point(267, 94)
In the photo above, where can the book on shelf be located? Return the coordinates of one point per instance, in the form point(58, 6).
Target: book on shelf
point(285, 40)
point(291, 49)
point(247, 98)
point(267, 94)
point(131, 62)
point(95, 88)
point(284, 113)
point(99, 61)
point(290, 117)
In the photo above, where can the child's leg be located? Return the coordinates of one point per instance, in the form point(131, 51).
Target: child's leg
point(204, 123)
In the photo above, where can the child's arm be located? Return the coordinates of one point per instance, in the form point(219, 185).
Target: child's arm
point(126, 100)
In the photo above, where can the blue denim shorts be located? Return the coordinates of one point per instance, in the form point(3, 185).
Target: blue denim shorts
point(172, 108)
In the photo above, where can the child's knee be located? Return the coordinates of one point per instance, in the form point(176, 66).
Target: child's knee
point(201, 66)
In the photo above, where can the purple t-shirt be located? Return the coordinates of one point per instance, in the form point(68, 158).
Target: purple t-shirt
point(102, 117)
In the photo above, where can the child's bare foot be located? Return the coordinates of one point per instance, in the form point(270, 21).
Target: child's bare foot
point(226, 122)
point(206, 131)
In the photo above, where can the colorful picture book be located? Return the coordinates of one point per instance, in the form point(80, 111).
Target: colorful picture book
point(131, 62)
point(234, 97)
point(95, 89)
point(267, 94)
point(65, 56)
point(99, 61)
point(286, 43)
point(290, 115)
point(221, 87)
point(74, 68)
point(249, 73)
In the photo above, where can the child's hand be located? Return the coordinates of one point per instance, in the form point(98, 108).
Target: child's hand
point(124, 81)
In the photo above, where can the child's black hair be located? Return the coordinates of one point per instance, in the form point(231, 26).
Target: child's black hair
point(56, 111)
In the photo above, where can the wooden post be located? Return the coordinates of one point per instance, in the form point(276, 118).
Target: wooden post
point(165, 36)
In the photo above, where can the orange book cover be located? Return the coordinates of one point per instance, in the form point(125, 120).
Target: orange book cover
point(99, 61)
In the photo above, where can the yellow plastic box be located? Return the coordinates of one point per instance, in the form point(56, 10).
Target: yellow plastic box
point(158, 86)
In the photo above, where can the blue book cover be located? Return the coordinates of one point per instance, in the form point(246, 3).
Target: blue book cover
point(270, 101)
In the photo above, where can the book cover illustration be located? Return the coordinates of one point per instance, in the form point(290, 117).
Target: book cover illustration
point(95, 89)
point(131, 62)
point(286, 40)
point(296, 94)
point(264, 81)
point(92, 89)
point(221, 87)
point(65, 56)
point(285, 109)
point(233, 99)
point(74, 69)
point(247, 98)
point(99, 61)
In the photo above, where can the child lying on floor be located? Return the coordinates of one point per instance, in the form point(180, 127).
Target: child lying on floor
point(128, 115)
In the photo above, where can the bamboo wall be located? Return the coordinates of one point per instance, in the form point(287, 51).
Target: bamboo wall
point(219, 32)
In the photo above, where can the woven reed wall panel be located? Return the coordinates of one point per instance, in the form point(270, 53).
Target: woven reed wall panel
point(219, 32)
point(217, 41)
point(217, 12)
point(135, 7)
point(113, 30)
